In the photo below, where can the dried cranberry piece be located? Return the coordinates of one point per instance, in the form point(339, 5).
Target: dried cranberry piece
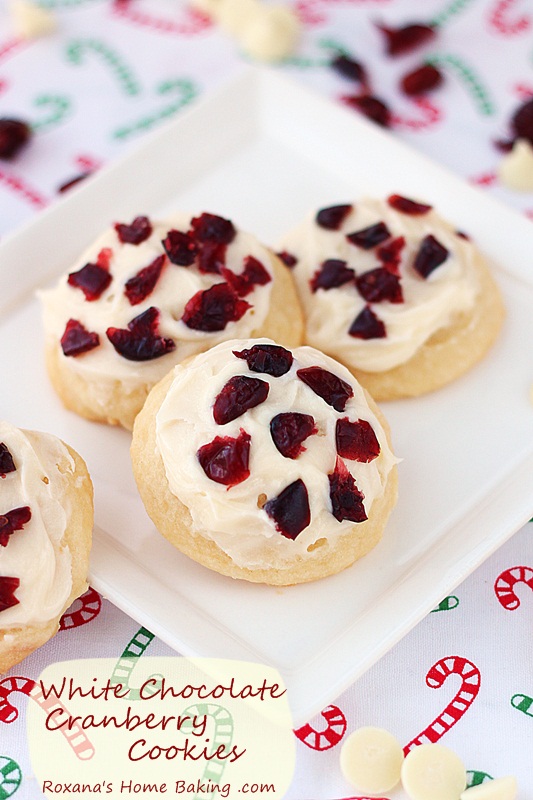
point(289, 430)
point(225, 459)
point(254, 274)
point(143, 283)
point(389, 254)
point(332, 273)
point(367, 325)
point(14, 135)
point(370, 106)
point(370, 237)
point(290, 509)
point(288, 259)
point(6, 461)
point(92, 279)
point(271, 359)
point(8, 586)
point(12, 521)
point(141, 341)
point(430, 256)
point(211, 257)
point(212, 309)
point(332, 389)
point(349, 68)
point(103, 259)
point(407, 206)
point(72, 182)
point(77, 339)
point(180, 248)
point(522, 121)
point(420, 80)
point(332, 217)
point(356, 440)
point(212, 228)
point(135, 233)
point(378, 285)
point(406, 38)
point(238, 395)
point(346, 498)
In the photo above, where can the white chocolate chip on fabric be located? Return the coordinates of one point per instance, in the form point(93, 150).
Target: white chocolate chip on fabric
point(516, 168)
point(371, 760)
point(433, 772)
point(234, 15)
point(30, 21)
point(271, 34)
point(498, 789)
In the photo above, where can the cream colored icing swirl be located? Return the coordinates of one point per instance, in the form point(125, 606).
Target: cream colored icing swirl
point(35, 554)
point(232, 517)
point(429, 303)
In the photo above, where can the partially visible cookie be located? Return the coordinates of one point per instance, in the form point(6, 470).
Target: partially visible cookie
point(150, 293)
point(395, 293)
point(281, 470)
point(46, 522)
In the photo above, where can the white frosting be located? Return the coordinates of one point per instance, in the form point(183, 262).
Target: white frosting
point(174, 289)
point(231, 516)
point(35, 554)
point(429, 303)
point(516, 168)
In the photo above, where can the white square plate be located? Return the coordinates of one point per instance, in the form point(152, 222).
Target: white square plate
point(264, 151)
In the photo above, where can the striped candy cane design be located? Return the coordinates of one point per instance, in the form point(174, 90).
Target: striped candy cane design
point(127, 661)
point(185, 91)
point(430, 115)
point(10, 777)
point(23, 189)
point(436, 676)
point(8, 712)
point(82, 610)
point(327, 738)
point(523, 703)
point(500, 21)
point(78, 49)
point(309, 14)
point(192, 23)
point(505, 583)
point(223, 735)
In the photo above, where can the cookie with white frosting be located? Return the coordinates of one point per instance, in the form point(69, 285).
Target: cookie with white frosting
point(280, 472)
point(394, 292)
point(148, 294)
point(46, 522)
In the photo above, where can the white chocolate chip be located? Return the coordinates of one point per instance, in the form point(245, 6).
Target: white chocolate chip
point(498, 789)
point(31, 21)
point(371, 760)
point(433, 772)
point(234, 15)
point(270, 34)
point(516, 168)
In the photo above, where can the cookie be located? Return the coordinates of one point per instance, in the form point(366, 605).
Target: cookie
point(147, 295)
point(46, 522)
point(280, 472)
point(395, 293)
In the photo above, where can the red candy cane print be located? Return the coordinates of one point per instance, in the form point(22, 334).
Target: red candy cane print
point(507, 26)
point(23, 190)
point(486, 179)
point(505, 583)
point(310, 14)
point(431, 115)
point(436, 676)
point(9, 47)
point(8, 712)
point(327, 738)
point(83, 610)
point(192, 23)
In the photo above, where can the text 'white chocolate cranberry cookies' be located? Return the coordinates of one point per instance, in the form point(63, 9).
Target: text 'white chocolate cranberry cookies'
point(392, 291)
point(279, 472)
point(148, 294)
point(46, 523)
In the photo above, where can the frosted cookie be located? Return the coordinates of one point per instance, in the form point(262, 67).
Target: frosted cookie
point(147, 295)
point(46, 522)
point(393, 292)
point(280, 472)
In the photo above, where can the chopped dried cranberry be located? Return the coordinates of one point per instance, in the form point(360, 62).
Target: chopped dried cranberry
point(369, 237)
point(406, 38)
point(143, 283)
point(370, 106)
point(92, 279)
point(14, 135)
point(180, 248)
point(238, 395)
point(103, 259)
point(332, 389)
point(356, 440)
point(6, 461)
point(367, 325)
point(211, 228)
point(378, 285)
point(225, 460)
point(211, 257)
point(141, 341)
point(430, 256)
point(332, 217)
point(72, 182)
point(349, 68)
point(254, 274)
point(271, 359)
point(289, 430)
point(390, 254)
point(332, 273)
point(522, 121)
point(288, 259)
point(290, 509)
point(346, 498)
point(77, 339)
point(407, 206)
point(139, 230)
point(212, 309)
point(12, 521)
point(420, 80)
point(8, 586)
